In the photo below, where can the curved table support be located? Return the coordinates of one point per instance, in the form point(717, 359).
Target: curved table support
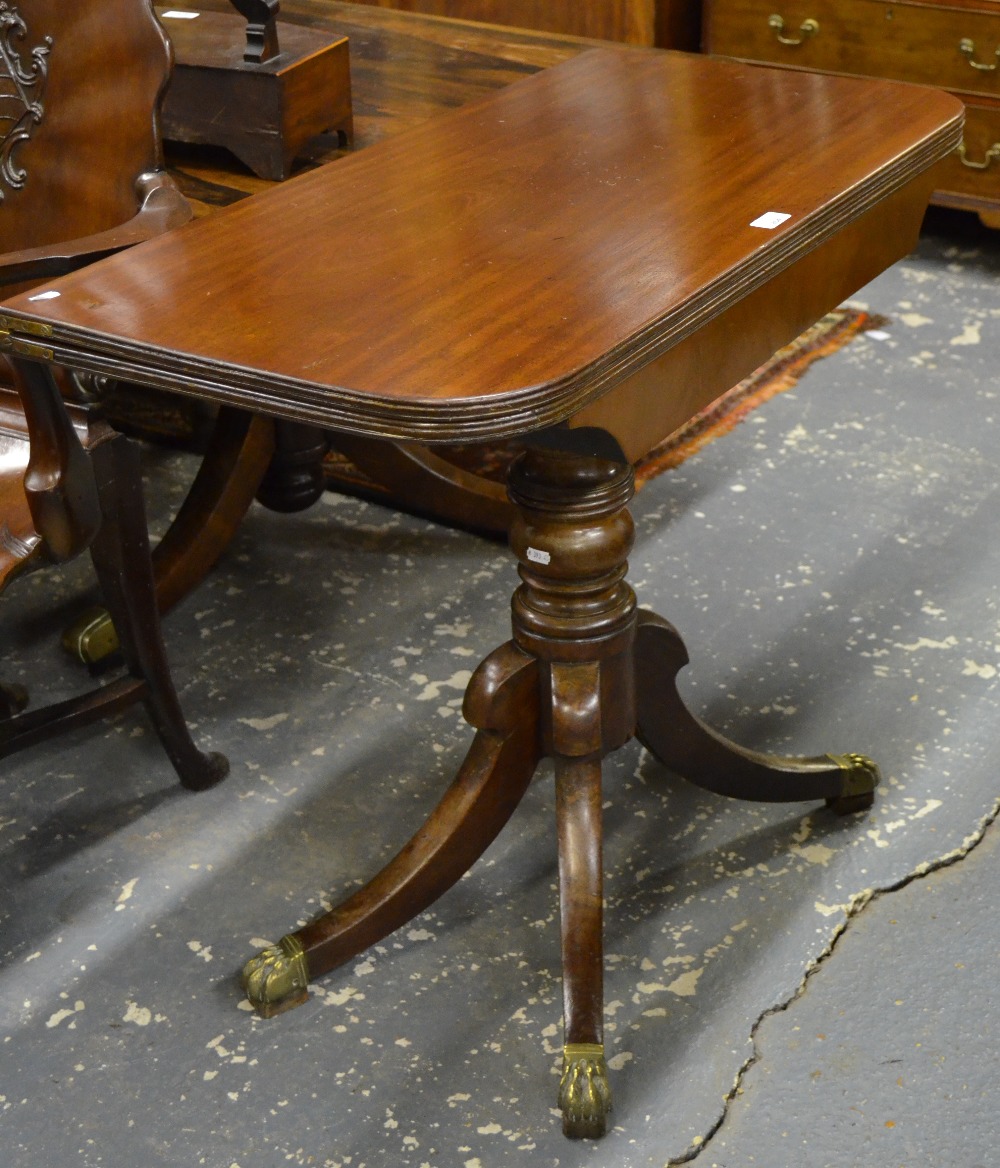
point(686, 746)
point(496, 772)
point(433, 485)
point(584, 673)
point(237, 458)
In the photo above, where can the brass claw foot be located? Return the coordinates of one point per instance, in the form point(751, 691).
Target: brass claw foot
point(584, 1091)
point(860, 778)
point(277, 978)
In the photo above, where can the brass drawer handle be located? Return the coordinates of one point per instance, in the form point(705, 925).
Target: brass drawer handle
point(990, 155)
point(967, 47)
point(807, 28)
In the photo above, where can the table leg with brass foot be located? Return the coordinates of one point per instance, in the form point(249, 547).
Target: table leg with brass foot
point(584, 1091)
point(688, 747)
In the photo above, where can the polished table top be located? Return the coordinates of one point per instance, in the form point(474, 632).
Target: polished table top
point(498, 268)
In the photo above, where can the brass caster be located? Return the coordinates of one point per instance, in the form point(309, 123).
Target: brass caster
point(584, 1091)
point(860, 777)
point(277, 978)
point(92, 637)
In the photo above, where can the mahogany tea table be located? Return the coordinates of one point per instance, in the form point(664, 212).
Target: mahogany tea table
point(582, 260)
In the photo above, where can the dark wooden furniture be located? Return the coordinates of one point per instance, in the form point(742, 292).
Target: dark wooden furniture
point(668, 23)
point(260, 88)
point(262, 28)
point(954, 44)
point(81, 178)
point(584, 259)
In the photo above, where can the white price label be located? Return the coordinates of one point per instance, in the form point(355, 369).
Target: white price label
point(770, 219)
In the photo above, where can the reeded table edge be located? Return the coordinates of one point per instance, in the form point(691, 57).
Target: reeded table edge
point(485, 417)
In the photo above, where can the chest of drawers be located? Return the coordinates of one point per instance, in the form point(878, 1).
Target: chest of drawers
point(953, 44)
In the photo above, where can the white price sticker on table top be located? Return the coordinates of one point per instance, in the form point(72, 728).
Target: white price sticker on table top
point(179, 14)
point(770, 219)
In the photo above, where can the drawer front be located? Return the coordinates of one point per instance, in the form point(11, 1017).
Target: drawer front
point(954, 48)
point(979, 174)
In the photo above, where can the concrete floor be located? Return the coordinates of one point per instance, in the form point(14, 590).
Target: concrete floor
point(888, 1056)
point(781, 986)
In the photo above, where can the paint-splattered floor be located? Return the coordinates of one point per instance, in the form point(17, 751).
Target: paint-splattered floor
point(832, 567)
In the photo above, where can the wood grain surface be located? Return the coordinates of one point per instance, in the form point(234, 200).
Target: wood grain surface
point(498, 268)
point(619, 20)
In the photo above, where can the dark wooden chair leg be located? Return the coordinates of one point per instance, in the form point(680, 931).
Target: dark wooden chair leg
point(502, 701)
point(121, 558)
point(234, 463)
point(689, 748)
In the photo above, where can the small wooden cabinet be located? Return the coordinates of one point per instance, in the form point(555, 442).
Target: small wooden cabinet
point(954, 44)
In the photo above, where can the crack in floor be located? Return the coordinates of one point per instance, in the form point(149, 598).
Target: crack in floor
point(853, 909)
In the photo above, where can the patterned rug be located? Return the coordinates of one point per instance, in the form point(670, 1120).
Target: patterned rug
point(781, 372)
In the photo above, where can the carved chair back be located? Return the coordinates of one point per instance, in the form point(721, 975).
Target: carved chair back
point(81, 176)
point(79, 81)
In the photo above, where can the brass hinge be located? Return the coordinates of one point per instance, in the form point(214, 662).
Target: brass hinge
point(29, 349)
point(17, 344)
point(34, 328)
